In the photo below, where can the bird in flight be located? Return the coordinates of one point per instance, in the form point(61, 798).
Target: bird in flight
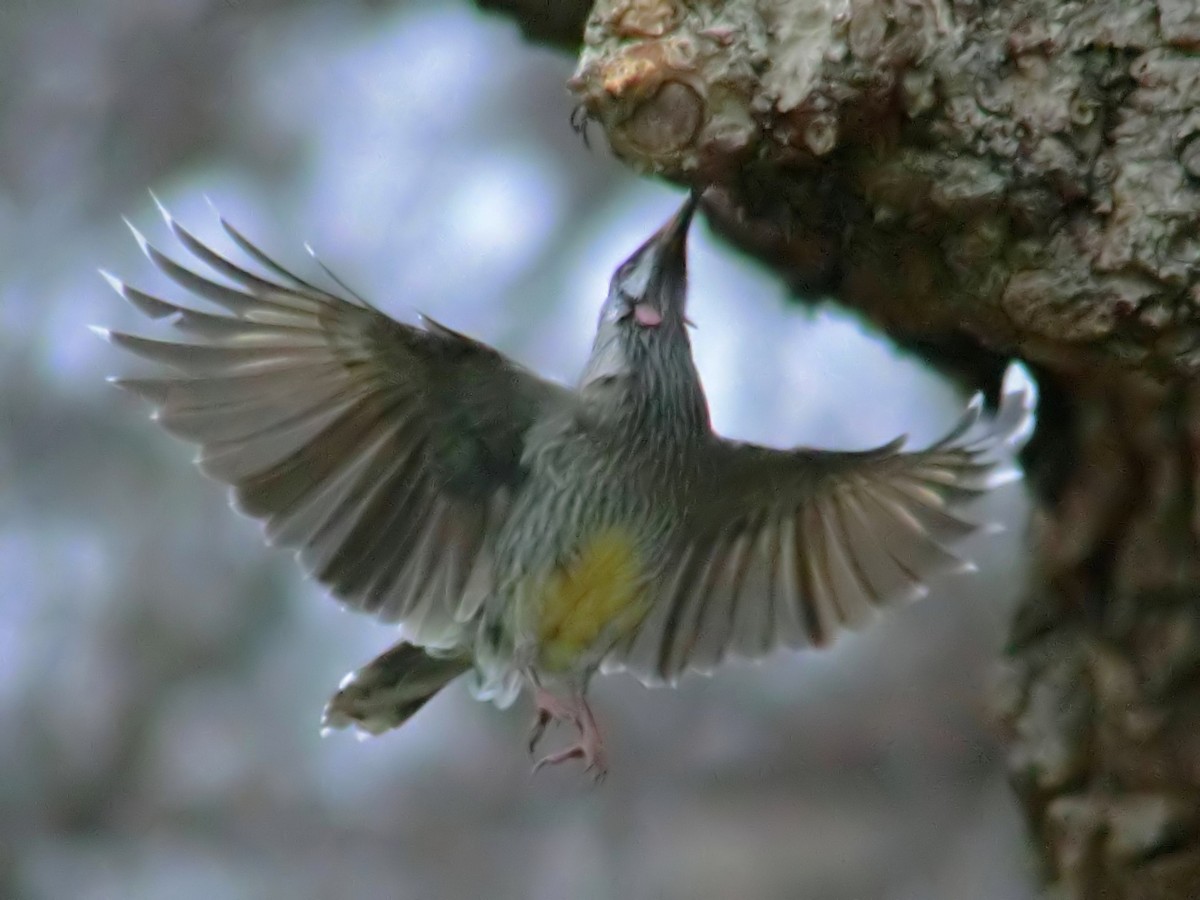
point(528, 534)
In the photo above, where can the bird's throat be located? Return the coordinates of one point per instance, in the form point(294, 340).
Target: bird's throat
point(647, 316)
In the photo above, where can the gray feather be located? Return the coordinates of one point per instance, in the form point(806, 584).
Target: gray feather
point(372, 448)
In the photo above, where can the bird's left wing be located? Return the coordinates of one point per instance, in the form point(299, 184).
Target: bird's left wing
point(382, 453)
point(786, 548)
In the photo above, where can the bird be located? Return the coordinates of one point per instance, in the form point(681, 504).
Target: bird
point(526, 534)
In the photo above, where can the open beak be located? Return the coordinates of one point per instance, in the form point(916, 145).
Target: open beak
point(671, 239)
point(662, 263)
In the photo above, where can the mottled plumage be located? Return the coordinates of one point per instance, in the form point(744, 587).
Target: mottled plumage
point(528, 532)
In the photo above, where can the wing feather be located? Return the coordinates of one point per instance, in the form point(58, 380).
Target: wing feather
point(824, 540)
point(381, 453)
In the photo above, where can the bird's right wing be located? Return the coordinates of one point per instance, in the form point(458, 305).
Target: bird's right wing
point(381, 452)
point(786, 548)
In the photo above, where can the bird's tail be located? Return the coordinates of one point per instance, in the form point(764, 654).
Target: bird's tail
point(389, 690)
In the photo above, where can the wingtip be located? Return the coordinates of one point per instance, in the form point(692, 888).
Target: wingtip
point(153, 392)
point(917, 593)
point(1001, 476)
point(117, 382)
point(1012, 423)
point(143, 244)
point(1019, 395)
point(162, 209)
point(130, 342)
point(113, 281)
point(101, 332)
point(221, 220)
point(1019, 380)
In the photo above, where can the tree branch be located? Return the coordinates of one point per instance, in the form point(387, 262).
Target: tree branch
point(978, 178)
point(1026, 173)
point(558, 22)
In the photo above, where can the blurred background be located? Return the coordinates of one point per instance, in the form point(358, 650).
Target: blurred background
point(162, 673)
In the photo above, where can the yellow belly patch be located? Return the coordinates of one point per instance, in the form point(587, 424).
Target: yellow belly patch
point(600, 593)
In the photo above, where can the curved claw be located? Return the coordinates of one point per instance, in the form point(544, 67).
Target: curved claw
point(590, 751)
point(589, 747)
point(541, 720)
point(550, 708)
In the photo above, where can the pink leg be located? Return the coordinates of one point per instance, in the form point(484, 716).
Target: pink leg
point(550, 708)
point(589, 747)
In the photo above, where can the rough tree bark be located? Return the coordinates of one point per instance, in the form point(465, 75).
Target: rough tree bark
point(984, 178)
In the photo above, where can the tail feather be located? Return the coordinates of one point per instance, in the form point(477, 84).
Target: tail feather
point(391, 689)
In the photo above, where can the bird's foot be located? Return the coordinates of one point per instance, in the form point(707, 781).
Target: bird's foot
point(589, 747)
point(550, 708)
point(591, 752)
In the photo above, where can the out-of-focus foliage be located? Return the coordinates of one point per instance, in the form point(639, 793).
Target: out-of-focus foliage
point(161, 672)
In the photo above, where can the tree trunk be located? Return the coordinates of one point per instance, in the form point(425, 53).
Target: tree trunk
point(986, 178)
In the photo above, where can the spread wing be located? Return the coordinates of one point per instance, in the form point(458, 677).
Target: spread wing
point(785, 548)
point(379, 451)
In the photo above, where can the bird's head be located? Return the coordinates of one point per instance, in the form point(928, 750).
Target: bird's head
point(645, 310)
